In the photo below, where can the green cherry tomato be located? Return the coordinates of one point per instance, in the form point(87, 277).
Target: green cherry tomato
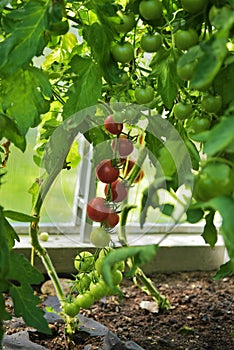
point(44, 236)
point(215, 179)
point(182, 111)
point(83, 282)
point(85, 300)
point(127, 23)
point(151, 43)
point(199, 124)
point(150, 9)
point(84, 261)
point(184, 39)
point(71, 309)
point(99, 289)
point(117, 276)
point(144, 95)
point(193, 6)
point(123, 53)
point(99, 237)
point(211, 104)
point(98, 264)
point(186, 71)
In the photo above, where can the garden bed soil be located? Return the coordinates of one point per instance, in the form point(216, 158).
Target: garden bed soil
point(201, 317)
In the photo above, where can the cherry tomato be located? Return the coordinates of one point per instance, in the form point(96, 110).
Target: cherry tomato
point(144, 95)
point(99, 237)
point(112, 219)
point(211, 104)
point(71, 309)
point(125, 146)
point(126, 24)
point(123, 53)
point(113, 127)
point(106, 172)
point(97, 210)
point(150, 9)
point(44, 236)
point(193, 6)
point(118, 191)
point(199, 124)
point(182, 111)
point(83, 282)
point(98, 264)
point(127, 168)
point(99, 289)
point(84, 261)
point(85, 300)
point(184, 39)
point(117, 276)
point(151, 43)
point(186, 71)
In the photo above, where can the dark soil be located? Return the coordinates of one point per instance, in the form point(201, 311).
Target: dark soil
point(201, 317)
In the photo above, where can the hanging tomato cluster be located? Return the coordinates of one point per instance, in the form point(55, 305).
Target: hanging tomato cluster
point(113, 173)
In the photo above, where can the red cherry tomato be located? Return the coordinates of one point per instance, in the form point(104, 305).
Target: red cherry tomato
point(112, 219)
point(118, 191)
point(125, 146)
point(127, 168)
point(113, 127)
point(106, 172)
point(97, 210)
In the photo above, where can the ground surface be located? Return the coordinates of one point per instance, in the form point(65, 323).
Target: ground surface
point(201, 317)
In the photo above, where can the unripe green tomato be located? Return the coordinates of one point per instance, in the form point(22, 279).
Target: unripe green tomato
point(184, 39)
point(44, 236)
point(117, 276)
point(99, 237)
point(199, 124)
point(186, 71)
point(120, 266)
point(127, 23)
point(182, 111)
point(193, 6)
point(151, 43)
point(144, 95)
point(98, 264)
point(84, 261)
point(123, 53)
point(211, 104)
point(83, 282)
point(85, 300)
point(150, 9)
point(118, 117)
point(71, 309)
point(99, 289)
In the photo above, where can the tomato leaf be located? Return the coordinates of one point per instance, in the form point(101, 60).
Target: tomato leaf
point(224, 84)
point(27, 38)
point(164, 68)
point(17, 216)
point(26, 88)
point(25, 305)
point(215, 143)
point(12, 133)
point(87, 89)
point(210, 232)
point(226, 269)
point(7, 231)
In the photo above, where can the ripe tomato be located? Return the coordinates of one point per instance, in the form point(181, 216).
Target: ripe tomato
point(182, 111)
point(151, 43)
point(84, 261)
point(199, 124)
point(111, 126)
point(127, 168)
point(97, 210)
point(106, 172)
point(126, 24)
point(112, 219)
point(144, 95)
point(71, 309)
point(150, 9)
point(211, 104)
point(184, 39)
point(118, 191)
point(123, 53)
point(125, 146)
point(193, 6)
point(99, 237)
point(85, 300)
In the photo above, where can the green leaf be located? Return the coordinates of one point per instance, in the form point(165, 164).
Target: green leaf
point(4, 315)
point(215, 142)
point(167, 209)
point(7, 230)
point(17, 216)
point(25, 305)
point(224, 84)
point(210, 232)
point(27, 36)
point(141, 255)
point(26, 88)
point(226, 269)
point(194, 215)
point(164, 68)
point(22, 271)
point(4, 248)
point(87, 89)
point(11, 132)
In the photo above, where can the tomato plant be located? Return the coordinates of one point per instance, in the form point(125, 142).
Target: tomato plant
point(106, 172)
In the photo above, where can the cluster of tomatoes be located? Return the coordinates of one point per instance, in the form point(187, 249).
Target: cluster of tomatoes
point(113, 173)
point(88, 286)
